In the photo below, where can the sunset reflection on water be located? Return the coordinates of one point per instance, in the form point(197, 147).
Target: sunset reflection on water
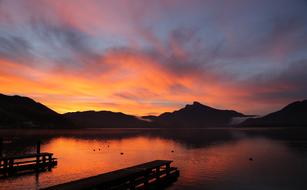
point(215, 165)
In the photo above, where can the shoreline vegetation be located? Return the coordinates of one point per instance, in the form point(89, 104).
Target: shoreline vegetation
point(24, 112)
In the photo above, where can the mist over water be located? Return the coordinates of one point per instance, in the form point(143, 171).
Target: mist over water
point(207, 158)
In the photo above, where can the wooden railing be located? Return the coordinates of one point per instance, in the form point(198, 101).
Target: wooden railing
point(30, 162)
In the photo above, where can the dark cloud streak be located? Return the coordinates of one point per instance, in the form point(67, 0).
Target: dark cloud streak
point(15, 48)
point(252, 46)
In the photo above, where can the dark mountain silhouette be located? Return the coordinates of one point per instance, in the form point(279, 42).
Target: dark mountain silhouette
point(23, 112)
point(195, 115)
point(100, 119)
point(293, 115)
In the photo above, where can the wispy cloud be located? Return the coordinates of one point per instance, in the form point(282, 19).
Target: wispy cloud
point(152, 56)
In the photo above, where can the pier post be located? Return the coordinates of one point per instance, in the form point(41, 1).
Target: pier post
point(5, 167)
point(132, 184)
point(158, 173)
point(38, 147)
point(168, 169)
point(38, 151)
point(1, 147)
point(50, 158)
point(44, 160)
point(50, 162)
point(11, 167)
point(146, 178)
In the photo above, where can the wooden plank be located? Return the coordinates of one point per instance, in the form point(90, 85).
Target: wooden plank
point(28, 167)
point(26, 156)
point(116, 177)
point(30, 162)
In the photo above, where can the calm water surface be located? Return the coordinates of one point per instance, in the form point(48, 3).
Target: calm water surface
point(207, 158)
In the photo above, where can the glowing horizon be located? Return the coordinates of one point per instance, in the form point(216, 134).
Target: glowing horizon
point(150, 57)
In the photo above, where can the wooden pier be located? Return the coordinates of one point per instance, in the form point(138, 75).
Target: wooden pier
point(150, 175)
point(26, 163)
point(12, 165)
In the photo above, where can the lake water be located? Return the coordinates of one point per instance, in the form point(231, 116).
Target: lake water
point(207, 158)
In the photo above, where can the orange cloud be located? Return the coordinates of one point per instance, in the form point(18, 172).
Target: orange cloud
point(134, 83)
point(147, 57)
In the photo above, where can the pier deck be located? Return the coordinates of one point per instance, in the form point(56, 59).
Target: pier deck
point(143, 176)
point(25, 163)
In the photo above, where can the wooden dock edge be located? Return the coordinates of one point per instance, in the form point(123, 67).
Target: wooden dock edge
point(163, 183)
point(151, 175)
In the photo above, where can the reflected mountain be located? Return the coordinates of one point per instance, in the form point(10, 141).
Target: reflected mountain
point(193, 138)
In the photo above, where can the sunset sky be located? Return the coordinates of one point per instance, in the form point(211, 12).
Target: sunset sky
point(150, 56)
